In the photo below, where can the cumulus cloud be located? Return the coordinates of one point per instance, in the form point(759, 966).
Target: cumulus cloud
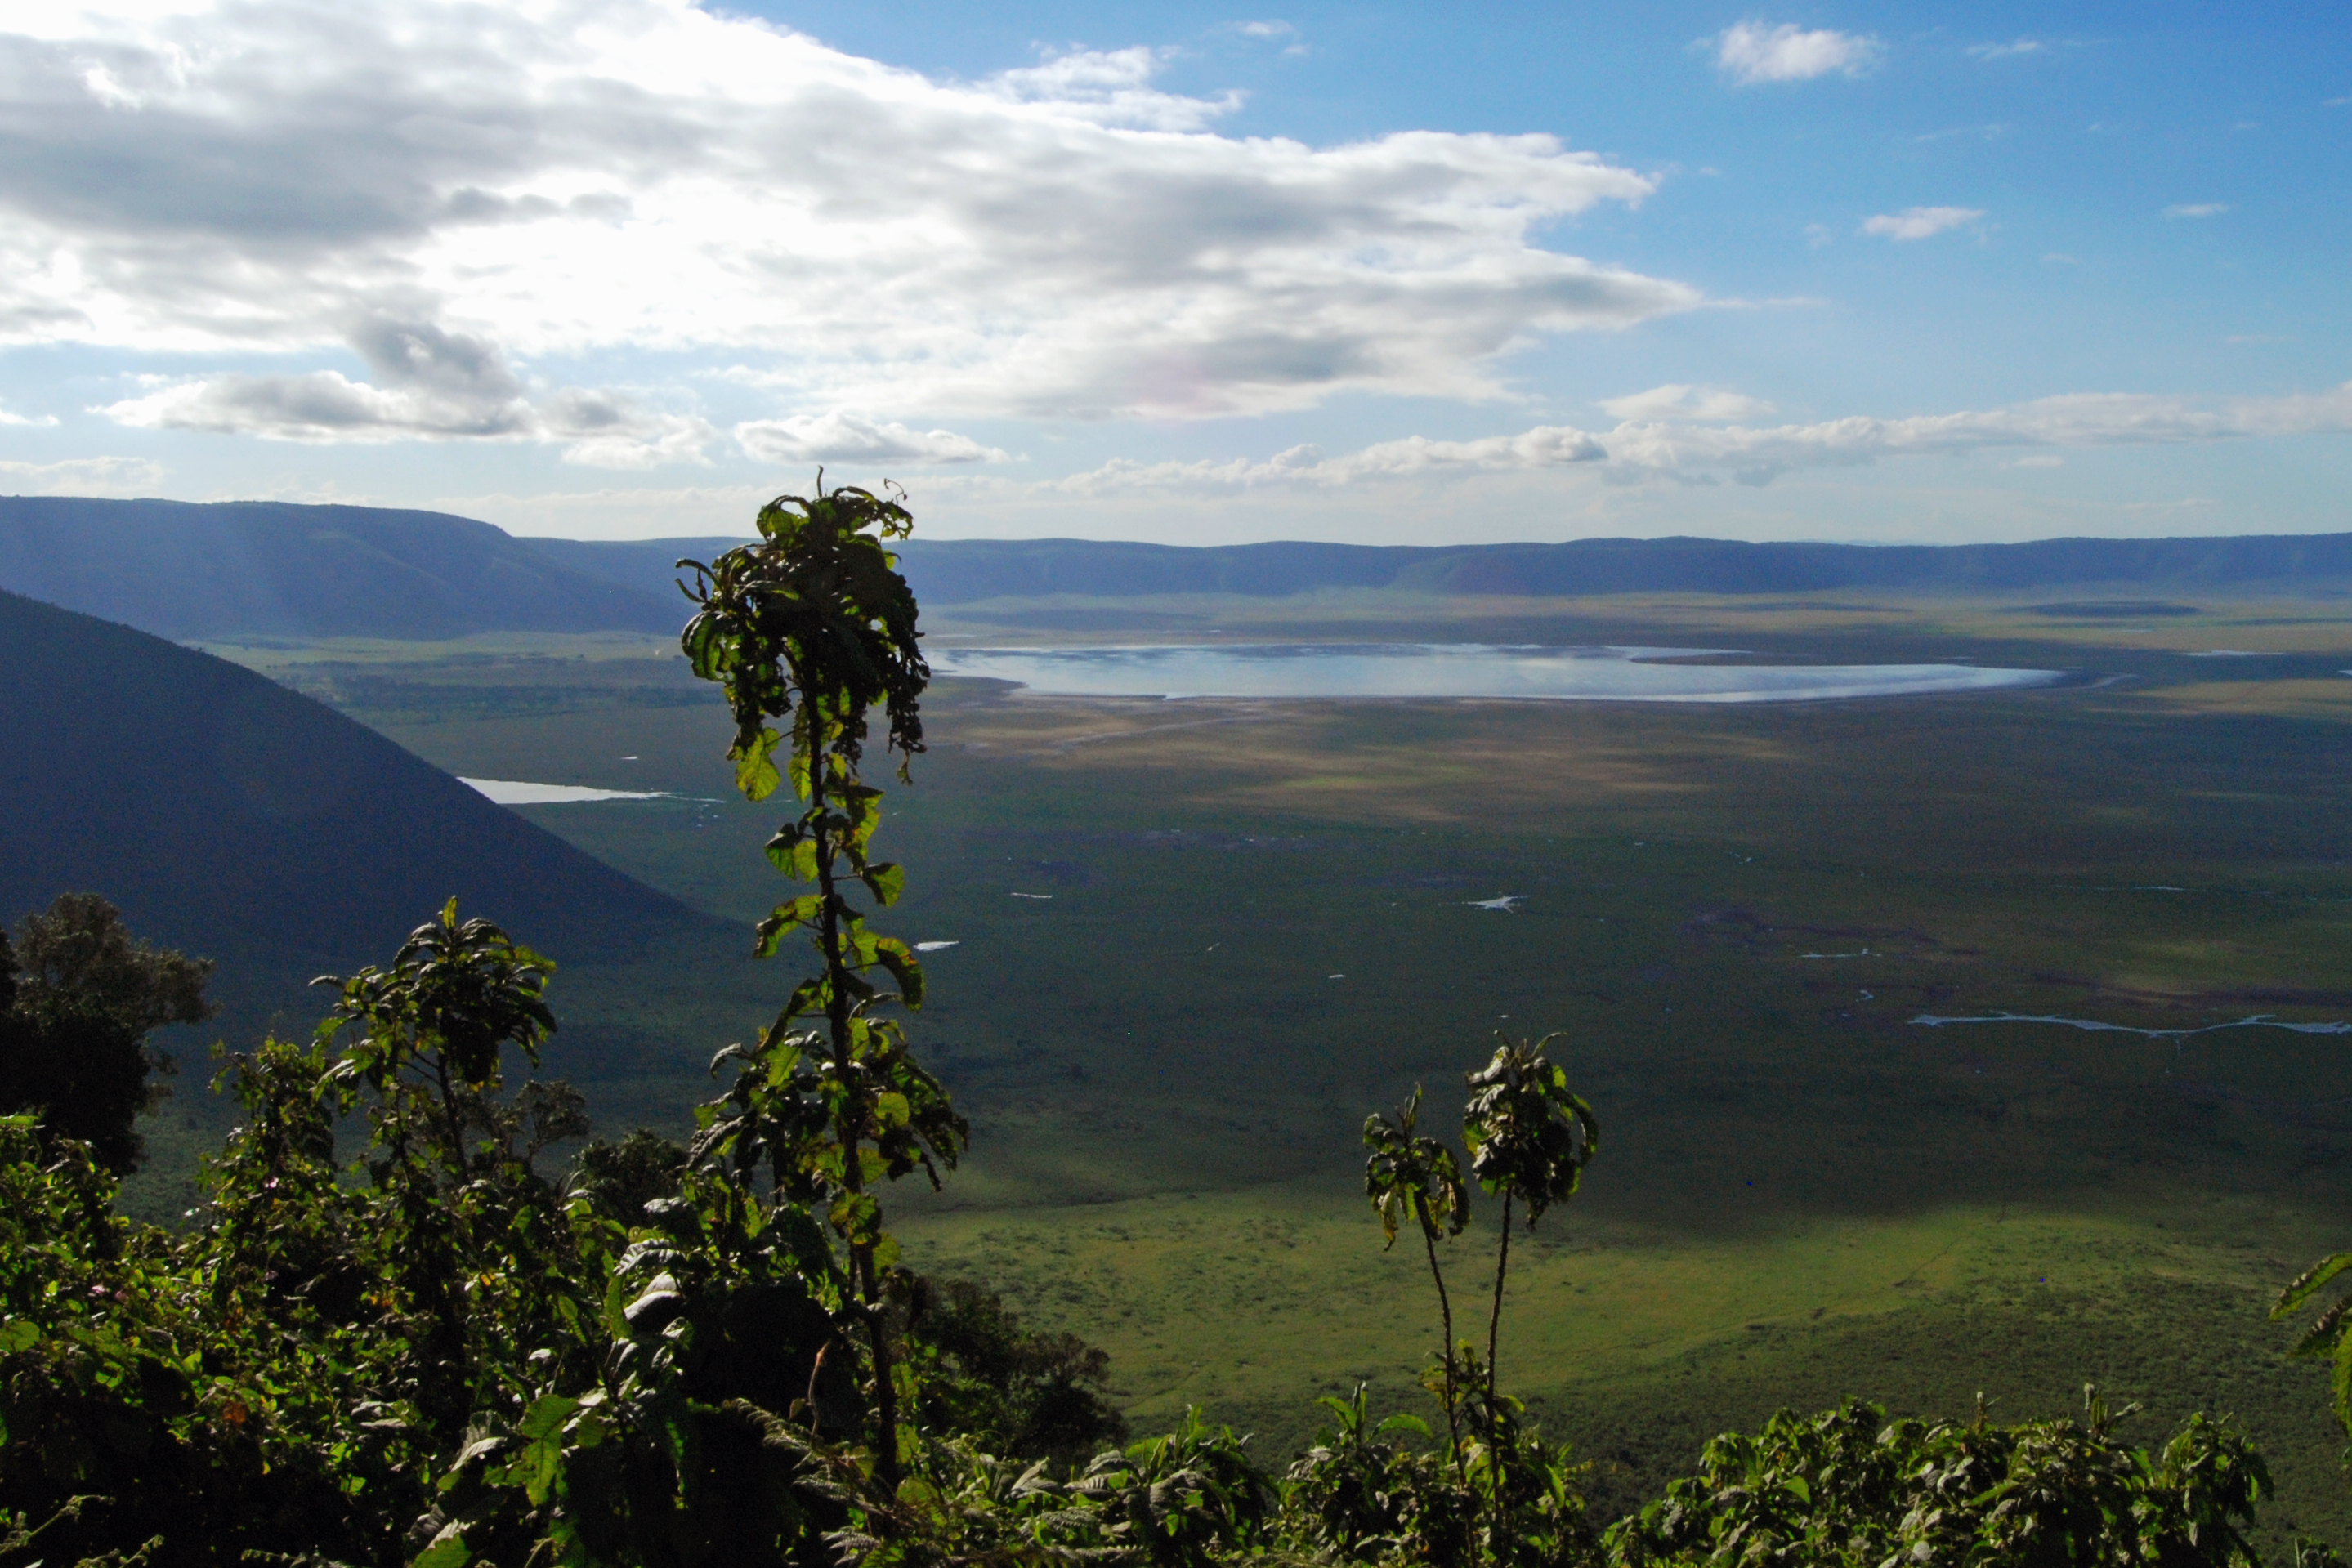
point(1067, 239)
point(82, 476)
point(430, 384)
point(2196, 210)
point(1639, 450)
point(1750, 52)
point(839, 437)
point(1677, 400)
point(1919, 222)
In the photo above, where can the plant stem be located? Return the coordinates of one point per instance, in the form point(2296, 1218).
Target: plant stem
point(853, 1118)
point(1446, 1310)
point(1495, 1328)
point(449, 1114)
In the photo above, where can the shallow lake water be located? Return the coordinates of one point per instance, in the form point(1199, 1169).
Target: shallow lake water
point(2259, 1020)
point(1457, 669)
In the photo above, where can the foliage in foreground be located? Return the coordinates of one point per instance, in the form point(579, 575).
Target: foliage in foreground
point(257, 1390)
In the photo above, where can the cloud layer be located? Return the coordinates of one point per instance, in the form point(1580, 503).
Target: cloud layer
point(82, 476)
point(567, 176)
point(429, 385)
point(1642, 450)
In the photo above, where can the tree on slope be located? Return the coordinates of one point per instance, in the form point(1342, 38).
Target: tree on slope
point(78, 997)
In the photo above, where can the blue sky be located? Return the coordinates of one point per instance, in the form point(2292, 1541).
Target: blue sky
point(623, 267)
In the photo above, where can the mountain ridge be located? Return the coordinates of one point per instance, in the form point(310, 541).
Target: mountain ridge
point(259, 568)
point(189, 571)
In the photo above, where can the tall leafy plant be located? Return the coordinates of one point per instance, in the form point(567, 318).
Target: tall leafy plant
point(808, 629)
point(1530, 1137)
point(1415, 1180)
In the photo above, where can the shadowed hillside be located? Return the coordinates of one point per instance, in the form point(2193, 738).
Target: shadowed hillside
point(233, 817)
point(263, 567)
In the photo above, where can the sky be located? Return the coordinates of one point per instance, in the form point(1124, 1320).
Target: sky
point(1382, 273)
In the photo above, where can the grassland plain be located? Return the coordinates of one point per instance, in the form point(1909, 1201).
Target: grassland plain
point(1198, 941)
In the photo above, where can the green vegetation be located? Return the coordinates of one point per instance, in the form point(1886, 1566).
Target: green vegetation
point(441, 1358)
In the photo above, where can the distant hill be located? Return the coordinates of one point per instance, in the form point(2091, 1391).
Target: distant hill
point(261, 568)
point(964, 572)
point(953, 571)
point(235, 819)
point(268, 569)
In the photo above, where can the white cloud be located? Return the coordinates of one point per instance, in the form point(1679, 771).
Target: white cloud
point(2008, 50)
point(1639, 450)
point(1750, 52)
point(82, 476)
point(1413, 457)
point(430, 385)
point(1678, 400)
point(571, 176)
point(2196, 210)
point(1919, 222)
point(839, 437)
point(1112, 87)
point(1273, 32)
point(10, 417)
